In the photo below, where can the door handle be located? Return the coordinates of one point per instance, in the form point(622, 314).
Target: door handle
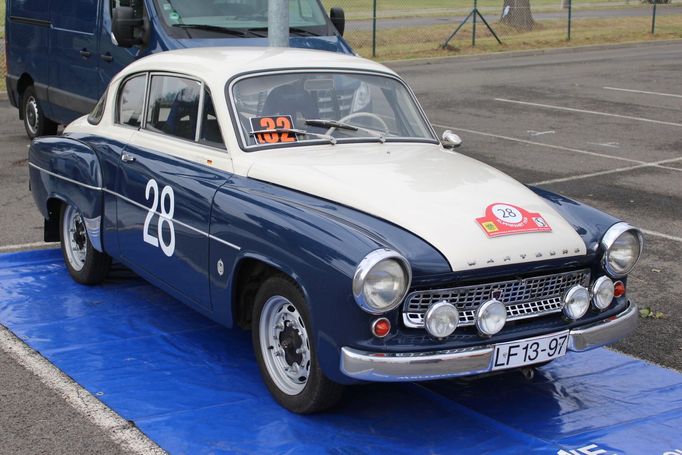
point(107, 57)
point(127, 158)
point(85, 53)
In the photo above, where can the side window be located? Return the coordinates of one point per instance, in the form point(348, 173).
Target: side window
point(210, 129)
point(131, 100)
point(174, 106)
point(75, 15)
point(98, 112)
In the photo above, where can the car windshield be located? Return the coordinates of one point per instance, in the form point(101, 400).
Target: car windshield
point(326, 106)
point(306, 15)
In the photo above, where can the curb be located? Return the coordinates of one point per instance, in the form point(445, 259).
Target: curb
point(533, 52)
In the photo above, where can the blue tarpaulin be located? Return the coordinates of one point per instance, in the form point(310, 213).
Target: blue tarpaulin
point(194, 387)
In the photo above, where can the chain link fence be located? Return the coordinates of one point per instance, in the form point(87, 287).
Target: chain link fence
point(389, 29)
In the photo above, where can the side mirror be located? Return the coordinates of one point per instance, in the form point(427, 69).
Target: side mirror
point(126, 27)
point(338, 17)
point(450, 140)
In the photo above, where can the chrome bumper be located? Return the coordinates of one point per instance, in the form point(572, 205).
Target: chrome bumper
point(396, 367)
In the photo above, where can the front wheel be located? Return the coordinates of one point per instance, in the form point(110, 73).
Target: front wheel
point(86, 265)
point(35, 122)
point(286, 353)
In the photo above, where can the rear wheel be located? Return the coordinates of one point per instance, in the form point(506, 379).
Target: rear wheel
point(285, 351)
point(86, 265)
point(35, 122)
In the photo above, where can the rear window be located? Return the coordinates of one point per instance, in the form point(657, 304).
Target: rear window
point(98, 112)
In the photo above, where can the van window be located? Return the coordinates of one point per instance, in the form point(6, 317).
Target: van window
point(210, 129)
point(174, 106)
point(76, 15)
point(131, 100)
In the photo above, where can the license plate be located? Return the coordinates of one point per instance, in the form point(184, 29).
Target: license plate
point(527, 352)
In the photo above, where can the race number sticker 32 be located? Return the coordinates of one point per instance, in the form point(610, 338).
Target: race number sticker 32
point(505, 219)
point(271, 124)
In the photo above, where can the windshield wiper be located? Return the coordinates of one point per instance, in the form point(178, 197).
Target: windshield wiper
point(344, 126)
point(322, 123)
point(217, 28)
point(331, 139)
point(292, 30)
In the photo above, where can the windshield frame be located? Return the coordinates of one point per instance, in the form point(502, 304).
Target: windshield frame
point(243, 143)
point(326, 30)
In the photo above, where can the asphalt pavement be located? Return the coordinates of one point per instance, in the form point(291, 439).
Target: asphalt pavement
point(601, 125)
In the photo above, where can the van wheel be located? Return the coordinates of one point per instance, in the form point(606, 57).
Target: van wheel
point(284, 346)
point(35, 122)
point(86, 265)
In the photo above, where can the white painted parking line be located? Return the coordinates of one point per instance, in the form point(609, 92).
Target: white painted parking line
point(642, 92)
point(117, 428)
point(656, 164)
point(26, 246)
point(541, 144)
point(662, 235)
point(585, 111)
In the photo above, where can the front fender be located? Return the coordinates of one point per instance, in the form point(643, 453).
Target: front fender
point(68, 170)
point(320, 250)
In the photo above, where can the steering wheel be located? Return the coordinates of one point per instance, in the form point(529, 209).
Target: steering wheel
point(356, 115)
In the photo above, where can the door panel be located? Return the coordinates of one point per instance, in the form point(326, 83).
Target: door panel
point(171, 241)
point(74, 82)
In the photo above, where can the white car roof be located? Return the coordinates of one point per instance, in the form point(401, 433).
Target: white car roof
point(216, 65)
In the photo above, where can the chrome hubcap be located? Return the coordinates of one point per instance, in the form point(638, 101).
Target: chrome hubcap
point(75, 238)
point(285, 345)
point(31, 115)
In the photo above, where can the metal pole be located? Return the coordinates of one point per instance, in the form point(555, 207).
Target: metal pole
point(570, 14)
point(374, 29)
point(473, 36)
point(278, 23)
point(653, 19)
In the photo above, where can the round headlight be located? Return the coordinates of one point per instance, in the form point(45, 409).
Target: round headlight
point(441, 319)
point(622, 246)
point(381, 281)
point(491, 317)
point(576, 302)
point(602, 292)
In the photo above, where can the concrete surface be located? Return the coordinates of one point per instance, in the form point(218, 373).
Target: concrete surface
point(603, 160)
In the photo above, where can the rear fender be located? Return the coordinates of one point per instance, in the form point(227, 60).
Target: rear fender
point(64, 169)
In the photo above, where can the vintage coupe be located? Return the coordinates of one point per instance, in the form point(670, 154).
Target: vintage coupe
point(304, 195)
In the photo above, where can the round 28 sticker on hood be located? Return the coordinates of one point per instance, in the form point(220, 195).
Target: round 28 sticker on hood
point(506, 219)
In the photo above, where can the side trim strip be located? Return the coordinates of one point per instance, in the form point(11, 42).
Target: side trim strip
point(30, 21)
point(191, 228)
point(90, 187)
point(143, 207)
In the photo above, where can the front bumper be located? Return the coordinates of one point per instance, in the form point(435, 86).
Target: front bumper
point(422, 366)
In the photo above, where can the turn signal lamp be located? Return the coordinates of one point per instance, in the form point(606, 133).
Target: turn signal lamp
point(618, 289)
point(381, 327)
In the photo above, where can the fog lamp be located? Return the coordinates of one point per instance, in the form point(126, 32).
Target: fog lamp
point(491, 317)
point(441, 319)
point(602, 292)
point(576, 302)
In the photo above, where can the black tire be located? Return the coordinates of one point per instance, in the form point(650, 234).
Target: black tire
point(319, 392)
point(35, 122)
point(88, 266)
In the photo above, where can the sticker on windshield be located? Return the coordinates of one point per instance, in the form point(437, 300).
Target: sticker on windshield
point(505, 219)
point(265, 129)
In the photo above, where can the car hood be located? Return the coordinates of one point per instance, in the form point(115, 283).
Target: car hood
point(436, 194)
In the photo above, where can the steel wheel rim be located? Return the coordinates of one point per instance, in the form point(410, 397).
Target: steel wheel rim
point(283, 338)
point(75, 238)
point(31, 115)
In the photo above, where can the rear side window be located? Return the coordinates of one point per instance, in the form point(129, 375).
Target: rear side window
point(131, 101)
point(174, 106)
point(98, 112)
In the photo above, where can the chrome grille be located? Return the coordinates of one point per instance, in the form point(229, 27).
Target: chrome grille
point(524, 298)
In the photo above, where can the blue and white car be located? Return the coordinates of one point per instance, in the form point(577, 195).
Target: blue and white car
point(304, 195)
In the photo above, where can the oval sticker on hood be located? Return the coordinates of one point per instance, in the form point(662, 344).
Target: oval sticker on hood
point(505, 219)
